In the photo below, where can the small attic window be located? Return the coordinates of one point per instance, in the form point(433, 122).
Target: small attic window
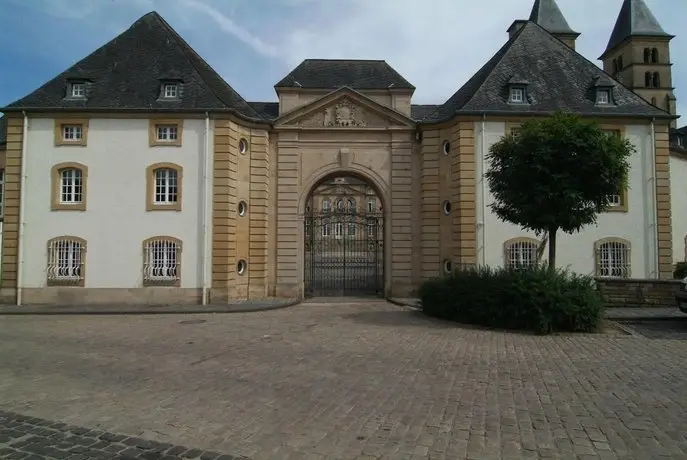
point(76, 90)
point(603, 96)
point(517, 95)
point(170, 90)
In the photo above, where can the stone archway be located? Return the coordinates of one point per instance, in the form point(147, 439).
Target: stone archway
point(343, 237)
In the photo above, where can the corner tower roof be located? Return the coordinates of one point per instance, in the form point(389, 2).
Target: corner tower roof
point(634, 20)
point(547, 14)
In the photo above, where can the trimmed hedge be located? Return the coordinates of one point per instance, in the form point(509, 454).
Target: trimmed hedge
point(680, 270)
point(535, 299)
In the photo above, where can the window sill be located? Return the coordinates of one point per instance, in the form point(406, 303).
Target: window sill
point(161, 283)
point(164, 207)
point(68, 207)
point(66, 283)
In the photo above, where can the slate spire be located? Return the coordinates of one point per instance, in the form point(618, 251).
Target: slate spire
point(634, 20)
point(548, 15)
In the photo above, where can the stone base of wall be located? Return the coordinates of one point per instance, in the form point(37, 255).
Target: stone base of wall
point(638, 292)
point(58, 295)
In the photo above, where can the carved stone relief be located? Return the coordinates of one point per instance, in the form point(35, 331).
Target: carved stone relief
point(344, 114)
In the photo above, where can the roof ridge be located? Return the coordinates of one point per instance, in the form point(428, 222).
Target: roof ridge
point(185, 47)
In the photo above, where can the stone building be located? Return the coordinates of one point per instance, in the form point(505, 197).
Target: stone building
point(138, 175)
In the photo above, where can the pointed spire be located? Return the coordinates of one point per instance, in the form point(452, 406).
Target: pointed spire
point(547, 14)
point(635, 20)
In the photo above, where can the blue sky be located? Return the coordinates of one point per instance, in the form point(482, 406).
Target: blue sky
point(254, 43)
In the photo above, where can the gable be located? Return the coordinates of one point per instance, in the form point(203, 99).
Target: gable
point(344, 109)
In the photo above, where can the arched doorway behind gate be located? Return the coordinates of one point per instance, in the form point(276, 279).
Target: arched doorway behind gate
point(344, 239)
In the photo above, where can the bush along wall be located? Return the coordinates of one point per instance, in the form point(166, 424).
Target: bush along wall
point(535, 299)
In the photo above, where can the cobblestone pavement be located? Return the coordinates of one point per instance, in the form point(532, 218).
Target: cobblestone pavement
point(31, 438)
point(365, 380)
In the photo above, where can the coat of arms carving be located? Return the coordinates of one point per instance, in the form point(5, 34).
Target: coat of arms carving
point(343, 114)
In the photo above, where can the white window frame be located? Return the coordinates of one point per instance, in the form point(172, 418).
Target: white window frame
point(71, 186)
point(161, 263)
point(521, 253)
point(325, 229)
point(65, 260)
point(166, 186)
point(371, 204)
point(517, 95)
point(167, 133)
point(326, 204)
point(614, 201)
point(72, 133)
point(338, 230)
point(78, 90)
point(170, 91)
point(613, 259)
point(603, 96)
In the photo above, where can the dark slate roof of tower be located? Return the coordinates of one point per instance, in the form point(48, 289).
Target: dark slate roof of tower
point(634, 20)
point(336, 73)
point(558, 78)
point(126, 73)
point(547, 14)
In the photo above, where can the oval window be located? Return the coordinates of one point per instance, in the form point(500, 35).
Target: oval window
point(243, 207)
point(447, 147)
point(447, 207)
point(243, 146)
point(241, 267)
point(448, 266)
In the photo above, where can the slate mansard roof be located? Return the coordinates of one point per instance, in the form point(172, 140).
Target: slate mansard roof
point(334, 73)
point(127, 73)
point(556, 78)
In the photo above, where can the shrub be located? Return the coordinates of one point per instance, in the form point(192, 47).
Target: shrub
point(680, 270)
point(536, 299)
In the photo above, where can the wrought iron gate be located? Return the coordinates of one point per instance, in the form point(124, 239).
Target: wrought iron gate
point(344, 253)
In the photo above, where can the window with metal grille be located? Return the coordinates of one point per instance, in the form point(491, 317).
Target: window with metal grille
point(613, 259)
point(65, 260)
point(521, 253)
point(161, 260)
point(166, 133)
point(72, 132)
point(71, 186)
point(166, 186)
point(338, 229)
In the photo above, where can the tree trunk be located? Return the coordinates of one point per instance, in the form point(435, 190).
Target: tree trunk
point(552, 248)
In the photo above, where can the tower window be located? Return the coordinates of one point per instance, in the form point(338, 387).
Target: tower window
point(657, 80)
point(653, 101)
point(648, 81)
point(620, 63)
point(654, 56)
point(647, 55)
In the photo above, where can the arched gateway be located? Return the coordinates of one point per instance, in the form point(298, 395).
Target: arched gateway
point(344, 239)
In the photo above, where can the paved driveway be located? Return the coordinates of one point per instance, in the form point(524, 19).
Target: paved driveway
point(346, 381)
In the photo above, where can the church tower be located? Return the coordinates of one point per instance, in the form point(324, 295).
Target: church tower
point(638, 55)
point(547, 14)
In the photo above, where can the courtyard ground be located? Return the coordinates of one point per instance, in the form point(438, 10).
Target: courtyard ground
point(343, 380)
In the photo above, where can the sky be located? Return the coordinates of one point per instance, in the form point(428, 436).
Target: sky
point(254, 43)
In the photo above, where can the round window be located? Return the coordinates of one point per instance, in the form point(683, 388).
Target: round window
point(448, 266)
point(243, 146)
point(447, 207)
point(241, 267)
point(447, 147)
point(243, 207)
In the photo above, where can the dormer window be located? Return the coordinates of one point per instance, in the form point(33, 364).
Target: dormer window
point(170, 91)
point(78, 90)
point(603, 87)
point(517, 95)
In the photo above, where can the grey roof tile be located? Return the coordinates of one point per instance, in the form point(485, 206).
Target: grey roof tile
point(547, 14)
point(267, 110)
point(419, 112)
point(635, 19)
point(126, 73)
point(559, 79)
point(334, 73)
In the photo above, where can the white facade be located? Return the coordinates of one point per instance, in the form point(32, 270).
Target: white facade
point(577, 252)
point(678, 206)
point(116, 221)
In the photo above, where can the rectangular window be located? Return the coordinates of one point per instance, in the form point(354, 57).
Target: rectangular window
point(371, 205)
point(78, 90)
point(521, 254)
point(603, 96)
point(166, 186)
point(614, 200)
point(166, 133)
point(338, 229)
point(171, 91)
point(325, 229)
point(613, 260)
point(351, 230)
point(517, 95)
point(65, 261)
point(71, 186)
point(72, 132)
point(161, 264)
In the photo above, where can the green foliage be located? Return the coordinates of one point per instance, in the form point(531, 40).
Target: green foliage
point(556, 174)
point(680, 271)
point(536, 299)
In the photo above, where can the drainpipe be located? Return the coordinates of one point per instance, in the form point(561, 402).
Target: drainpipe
point(654, 206)
point(206, 212)
point(481, 193)
point(22, 209)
